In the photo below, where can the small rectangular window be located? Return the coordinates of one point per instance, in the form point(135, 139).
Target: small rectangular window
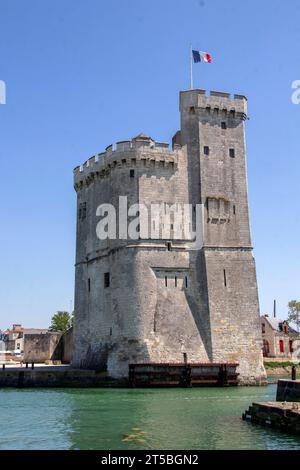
point(166, 281)
point(225, 280)
point(175, 281)
point(89, 285)
point(233, 209)
point(82, 211)
point(231, 153)
point(223, 125)
point(106, 280)
point(206, 150)
point(186, 281)
point(169, 246)
point(131, 173)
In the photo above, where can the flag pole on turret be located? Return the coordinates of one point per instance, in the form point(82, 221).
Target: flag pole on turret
point(191, 68)
point(197, 56)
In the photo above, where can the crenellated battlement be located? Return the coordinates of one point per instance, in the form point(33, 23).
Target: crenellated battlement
point(144, 293)
point(214, 101)
point(141, 151)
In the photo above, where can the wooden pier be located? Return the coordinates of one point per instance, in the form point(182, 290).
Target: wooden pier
point(183, 375)
point(140, 375)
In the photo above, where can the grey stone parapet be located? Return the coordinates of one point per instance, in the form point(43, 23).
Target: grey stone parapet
point(138, 152)
point(214, 101)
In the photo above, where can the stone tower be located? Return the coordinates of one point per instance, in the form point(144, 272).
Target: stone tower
point(153, 298)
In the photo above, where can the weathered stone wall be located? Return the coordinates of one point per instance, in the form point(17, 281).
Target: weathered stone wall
point(42, 347)
point(163, 300)
point(218, 181)
point(67, 346)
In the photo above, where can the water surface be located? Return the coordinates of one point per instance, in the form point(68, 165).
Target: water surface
point(197, 418)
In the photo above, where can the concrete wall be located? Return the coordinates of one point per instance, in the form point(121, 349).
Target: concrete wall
point(288, 390)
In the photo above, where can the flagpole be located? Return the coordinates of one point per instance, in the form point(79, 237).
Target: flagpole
point(191, 68)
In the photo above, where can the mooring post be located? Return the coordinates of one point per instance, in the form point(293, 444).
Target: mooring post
point(3, 366)
point(187, 371)
point(26, 365)
point(32, 365)
point(131, 375)
point(223, 375)
point(185, 358)
point(294, 373)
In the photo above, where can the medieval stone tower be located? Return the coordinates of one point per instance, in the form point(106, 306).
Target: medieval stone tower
point(153, 298)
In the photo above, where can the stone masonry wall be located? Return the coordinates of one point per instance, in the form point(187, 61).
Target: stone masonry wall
point(165, 298)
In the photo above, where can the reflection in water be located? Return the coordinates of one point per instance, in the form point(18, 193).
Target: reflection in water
point(136, 419)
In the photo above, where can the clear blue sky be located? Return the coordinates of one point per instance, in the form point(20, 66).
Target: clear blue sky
point(83, 74)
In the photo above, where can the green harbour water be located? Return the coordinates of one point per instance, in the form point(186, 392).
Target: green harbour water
point(110, 419)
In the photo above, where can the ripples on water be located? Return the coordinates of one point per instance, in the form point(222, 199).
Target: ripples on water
point(195, 418)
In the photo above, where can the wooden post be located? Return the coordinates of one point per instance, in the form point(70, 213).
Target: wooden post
point(131, 375)
point(223, 376)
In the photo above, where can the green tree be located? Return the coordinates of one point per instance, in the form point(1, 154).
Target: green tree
point(61, 321)
point(294, 313)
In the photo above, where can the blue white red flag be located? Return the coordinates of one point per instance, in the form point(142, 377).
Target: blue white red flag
point(200, 56)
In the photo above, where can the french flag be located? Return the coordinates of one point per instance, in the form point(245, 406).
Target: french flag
point(200, 56)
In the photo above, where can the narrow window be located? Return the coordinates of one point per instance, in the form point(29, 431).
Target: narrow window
point(206, 150)
point(291, 346)
point(233, 209)
point(223, 125)
point(192, 109)
point(89, 285)
point(186, 281)
point(110, 331)
point(175, 281)
point(166, 281)
point(225, 280)
point(263, 328)
point(131, 173)
point(106, 280)
point(169, 246)
point(82, 211)
point(231, 153)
